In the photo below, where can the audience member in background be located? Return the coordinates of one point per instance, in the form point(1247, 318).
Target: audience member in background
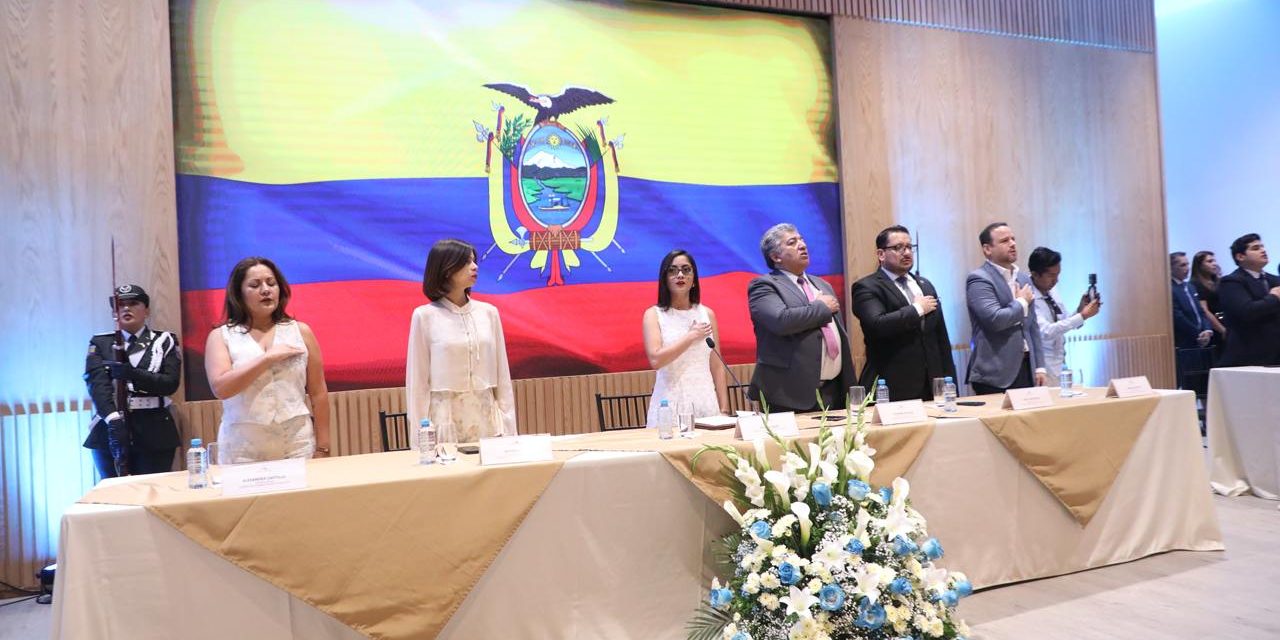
point(1250, 307)
point(456, 370)
point(264, 365)
point(902, 324)
point(675, 340)
point(1190, 328)
point(1006, 337)
point(1205, 274)
point(152, 368)
point(1045, 266)
point(801, 343)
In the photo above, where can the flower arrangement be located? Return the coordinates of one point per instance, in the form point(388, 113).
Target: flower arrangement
point(820, 554)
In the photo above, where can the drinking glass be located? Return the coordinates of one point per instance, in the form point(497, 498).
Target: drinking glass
point(215, 467)
point(939, 392)
point(857, 394)
point(684, 418)
point(447, 443)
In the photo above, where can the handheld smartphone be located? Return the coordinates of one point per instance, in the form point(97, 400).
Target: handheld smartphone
point(1093, 286)
point(469, 448)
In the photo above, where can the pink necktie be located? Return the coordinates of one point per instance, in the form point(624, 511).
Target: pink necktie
point(828, 334)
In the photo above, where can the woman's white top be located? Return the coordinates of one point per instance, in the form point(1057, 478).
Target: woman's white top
point(458, 350)
point(688, 377)
point(276, 395)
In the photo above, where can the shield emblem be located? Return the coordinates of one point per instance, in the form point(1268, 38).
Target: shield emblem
point(553, 175)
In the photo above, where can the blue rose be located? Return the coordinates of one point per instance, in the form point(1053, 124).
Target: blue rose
point(788, 573)
point(904, 546)
point(886, 494)
point(831, 597)
point(741, 635)
point(932, 549)
point(761, 529)
point(900, 586)
point(858, 489)
point(821, 494)
point(721, 597)
point(855, 546)
point(963, 588)
point(870, 615)
point(948, 597)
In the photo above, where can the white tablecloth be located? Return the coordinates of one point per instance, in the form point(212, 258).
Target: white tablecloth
point(617, 546)
point(1243, 424)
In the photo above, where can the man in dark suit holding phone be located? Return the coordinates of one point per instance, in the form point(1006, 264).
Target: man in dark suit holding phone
point(902, 323)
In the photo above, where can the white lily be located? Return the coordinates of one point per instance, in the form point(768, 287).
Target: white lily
point(828, 472)
point(814, 457)
point(859, 464)
point(733, 512)
point(867, 581)
point(799, 601)
point(761, 456)
point(755, 494)
point(897, 523)
point(806, 525)
point(781, 483)
point(901, 488)
point(935, 579)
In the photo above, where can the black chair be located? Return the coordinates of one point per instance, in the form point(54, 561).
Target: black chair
point(1193, 367)
point(395, 431)
point(738, 400)
point(622, 412)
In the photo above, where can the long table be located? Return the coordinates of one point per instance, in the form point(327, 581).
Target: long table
point(618, 544)
point(1242, 420)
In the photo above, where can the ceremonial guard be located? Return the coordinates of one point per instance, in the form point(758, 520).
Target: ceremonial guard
point(132, 430)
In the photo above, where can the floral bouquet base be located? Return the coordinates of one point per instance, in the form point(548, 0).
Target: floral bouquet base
point(821, 555)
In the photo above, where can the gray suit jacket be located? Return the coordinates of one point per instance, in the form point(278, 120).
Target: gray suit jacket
point(999, 328)
point(789, 345)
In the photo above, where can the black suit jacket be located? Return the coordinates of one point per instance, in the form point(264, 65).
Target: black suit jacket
point(789, 342)
point(1252, 317)
point(155, 373)
point(907, 353)
point(1188, 317)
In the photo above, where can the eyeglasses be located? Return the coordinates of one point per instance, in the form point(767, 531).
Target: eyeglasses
point(679, 270)
point(899, 248)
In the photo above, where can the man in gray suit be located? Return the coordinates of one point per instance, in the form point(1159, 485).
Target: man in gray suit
point(801, 343)
point(1006, 339)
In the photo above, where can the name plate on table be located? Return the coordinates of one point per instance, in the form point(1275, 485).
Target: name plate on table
point(1029, 398)
point(900, 412)
point(1129, 387)
point(264, 477)
point(513, 449)
point(751, 426)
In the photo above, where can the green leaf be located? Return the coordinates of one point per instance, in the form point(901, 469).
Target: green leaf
point(708, 623)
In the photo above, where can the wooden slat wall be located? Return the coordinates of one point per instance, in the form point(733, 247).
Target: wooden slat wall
point(1119, 24)
point(946, 131)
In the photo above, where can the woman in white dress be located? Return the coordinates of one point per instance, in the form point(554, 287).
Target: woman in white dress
point(456, 369)
point(264, 365)
point(675, 339)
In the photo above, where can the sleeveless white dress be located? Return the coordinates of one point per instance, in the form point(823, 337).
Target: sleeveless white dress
point(688, 377)
point(269, 419)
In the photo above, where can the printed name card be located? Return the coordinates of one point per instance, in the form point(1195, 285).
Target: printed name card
point(514, 449)
point(1129, 387)
point(264, 477)
point(751, 426)
point(1029, 398)
point(901, 412)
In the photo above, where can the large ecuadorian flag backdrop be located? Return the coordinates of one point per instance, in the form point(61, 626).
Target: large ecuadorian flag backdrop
point(342, 138)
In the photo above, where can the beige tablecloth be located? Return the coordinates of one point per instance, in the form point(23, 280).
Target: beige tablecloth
point(1243, 425)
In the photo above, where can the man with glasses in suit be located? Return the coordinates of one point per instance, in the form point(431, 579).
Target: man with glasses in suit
point(902, 324)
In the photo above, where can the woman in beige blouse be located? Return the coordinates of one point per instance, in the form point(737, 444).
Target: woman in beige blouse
point(456, 370)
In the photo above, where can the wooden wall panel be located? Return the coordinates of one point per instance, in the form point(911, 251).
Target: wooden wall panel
point(945, 131)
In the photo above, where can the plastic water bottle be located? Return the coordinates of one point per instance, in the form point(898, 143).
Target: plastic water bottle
point(949, 395)
point(426, 442)
point(197, 465)
point(666, 422)
point(882, 392)
point(1064, 382)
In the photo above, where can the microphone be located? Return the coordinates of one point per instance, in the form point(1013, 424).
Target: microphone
point(712, 343)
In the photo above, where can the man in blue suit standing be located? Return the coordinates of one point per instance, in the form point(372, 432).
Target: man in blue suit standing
point(1006, 351)
point(1190, 328)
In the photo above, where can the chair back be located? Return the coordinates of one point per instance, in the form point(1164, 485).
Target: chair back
point(622, 412)
point(738, 400)
point(395, 431)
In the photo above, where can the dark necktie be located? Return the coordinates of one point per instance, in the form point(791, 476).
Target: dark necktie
point(902, 284)
point(1053, 306)
point(1195, 308)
